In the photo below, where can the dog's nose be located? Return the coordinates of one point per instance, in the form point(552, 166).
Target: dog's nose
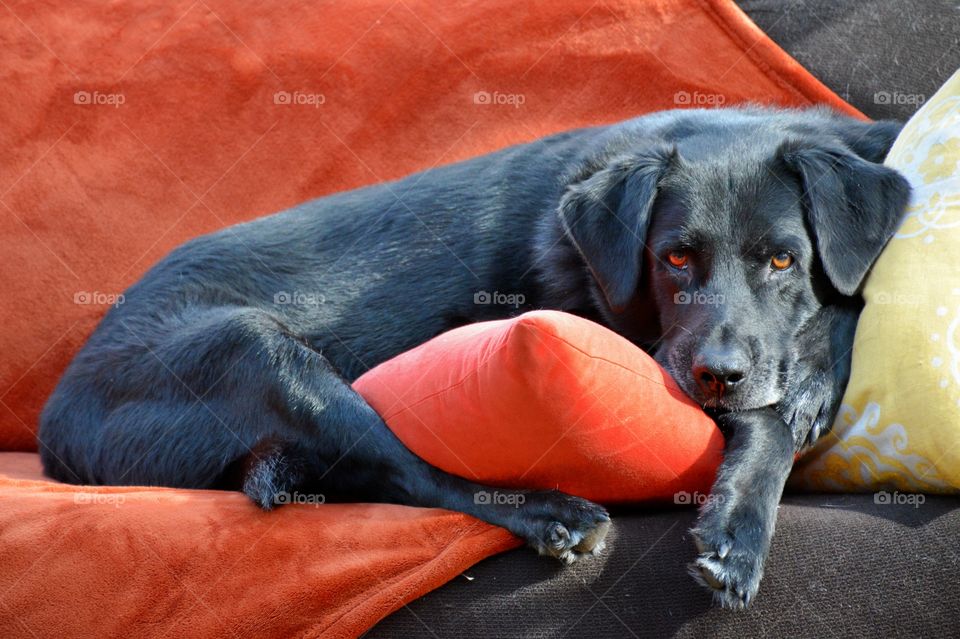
point(720, 371)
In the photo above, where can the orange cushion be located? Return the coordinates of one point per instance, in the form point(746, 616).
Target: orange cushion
point(547, 400)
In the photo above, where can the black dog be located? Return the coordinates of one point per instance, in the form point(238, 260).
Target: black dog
point(729, 243)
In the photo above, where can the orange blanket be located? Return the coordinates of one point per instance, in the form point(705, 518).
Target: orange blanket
point(131, 126)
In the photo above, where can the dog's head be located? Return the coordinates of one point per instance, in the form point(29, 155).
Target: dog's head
point(736, 229)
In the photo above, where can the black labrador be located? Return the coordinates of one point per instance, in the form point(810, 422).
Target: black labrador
point(728, 243)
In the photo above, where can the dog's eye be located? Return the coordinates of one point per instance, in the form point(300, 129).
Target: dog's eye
point(781, 261)
point(678, 259)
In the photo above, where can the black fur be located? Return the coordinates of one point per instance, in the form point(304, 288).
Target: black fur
point(228, 365)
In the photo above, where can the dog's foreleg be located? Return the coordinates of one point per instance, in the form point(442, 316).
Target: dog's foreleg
point(737, 520)
point(819, 376)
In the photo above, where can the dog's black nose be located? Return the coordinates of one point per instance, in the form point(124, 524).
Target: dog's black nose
point(719, 371)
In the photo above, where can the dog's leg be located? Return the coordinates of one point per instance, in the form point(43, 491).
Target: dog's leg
point(736, 522)
point(819, 376)
point(347, 452)
point(229, 398)
point(333, 442)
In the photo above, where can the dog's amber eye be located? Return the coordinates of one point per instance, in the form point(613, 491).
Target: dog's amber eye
point(781, 261)
point(678, 259)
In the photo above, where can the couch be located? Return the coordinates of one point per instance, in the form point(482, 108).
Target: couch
point(132, 127)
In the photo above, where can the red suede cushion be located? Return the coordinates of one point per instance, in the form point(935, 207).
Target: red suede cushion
point(547, 400)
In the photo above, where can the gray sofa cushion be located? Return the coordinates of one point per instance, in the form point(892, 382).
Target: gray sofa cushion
point(875, 54)
point(840, 566)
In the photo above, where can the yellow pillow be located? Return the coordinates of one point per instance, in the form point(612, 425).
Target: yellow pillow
point(899, 425)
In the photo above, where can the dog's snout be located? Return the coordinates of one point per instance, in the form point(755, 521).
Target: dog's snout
point(720, 370)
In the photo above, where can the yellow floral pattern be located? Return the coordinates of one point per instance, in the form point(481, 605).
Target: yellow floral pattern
point(899, 426)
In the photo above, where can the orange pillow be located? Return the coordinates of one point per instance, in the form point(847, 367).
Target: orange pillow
point(548, 400)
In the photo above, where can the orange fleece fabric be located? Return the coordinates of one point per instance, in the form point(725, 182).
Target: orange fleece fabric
point(158, 562)
point(130, 127)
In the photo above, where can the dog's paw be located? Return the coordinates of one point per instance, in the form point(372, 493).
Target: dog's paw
point(731, 558)
point(809, 408)
point(567, 527)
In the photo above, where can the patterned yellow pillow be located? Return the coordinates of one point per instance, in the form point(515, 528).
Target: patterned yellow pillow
point(899, 426)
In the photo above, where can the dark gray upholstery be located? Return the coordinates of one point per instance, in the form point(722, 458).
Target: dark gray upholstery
point(840, 566)
point(868, 50)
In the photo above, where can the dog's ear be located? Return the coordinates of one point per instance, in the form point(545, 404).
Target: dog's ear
point(869, 140)
point(853, 207)
point(605, 214)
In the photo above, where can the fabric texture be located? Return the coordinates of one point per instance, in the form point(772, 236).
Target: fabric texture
point(548, 400)
point(131, 127)
point(840, 566)
point(885, 57)
point(80, 561)
point(899, 425)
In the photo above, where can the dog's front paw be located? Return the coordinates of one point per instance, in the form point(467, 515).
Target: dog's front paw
point(566, 527)
point(809, 408)
point(732, 549)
